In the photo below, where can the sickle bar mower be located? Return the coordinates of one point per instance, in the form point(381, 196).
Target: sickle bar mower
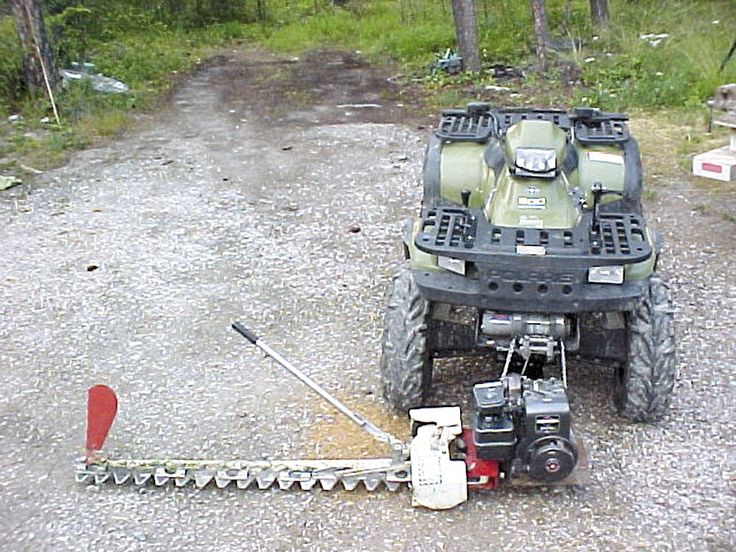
point(520, 433)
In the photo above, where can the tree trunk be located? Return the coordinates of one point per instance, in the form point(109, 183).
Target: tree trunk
point(540, 31)
point(599, 12)
point(36, 52)
point(567, 15)
point(463, 11)
point(260, 10)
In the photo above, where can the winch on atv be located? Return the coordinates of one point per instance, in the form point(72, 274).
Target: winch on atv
point(531, 244)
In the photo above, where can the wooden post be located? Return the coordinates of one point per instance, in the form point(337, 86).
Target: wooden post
point(463, 11)
point(540, 31)
point(599, 12)
point(37, 58)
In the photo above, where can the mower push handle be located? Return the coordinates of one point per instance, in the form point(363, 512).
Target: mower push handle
point(245, 332)
point(399, 448)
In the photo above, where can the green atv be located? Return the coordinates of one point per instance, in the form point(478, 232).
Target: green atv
point(531, 245)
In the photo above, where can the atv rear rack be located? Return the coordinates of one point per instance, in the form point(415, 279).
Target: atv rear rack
point(465, 234)
point(478, 123)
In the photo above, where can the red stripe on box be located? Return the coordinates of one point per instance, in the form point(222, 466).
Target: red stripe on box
point(711, 167)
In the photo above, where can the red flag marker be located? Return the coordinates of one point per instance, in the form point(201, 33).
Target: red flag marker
point(102, 405)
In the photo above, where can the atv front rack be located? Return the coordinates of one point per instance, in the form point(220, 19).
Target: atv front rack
point(601, 131)
point(465, 234)
point(529, 269)
point(458, 125)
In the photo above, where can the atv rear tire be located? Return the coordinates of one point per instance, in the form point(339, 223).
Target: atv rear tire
point(645, 381)
point(406, 364)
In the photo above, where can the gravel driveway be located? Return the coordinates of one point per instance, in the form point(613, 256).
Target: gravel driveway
point(253, 197)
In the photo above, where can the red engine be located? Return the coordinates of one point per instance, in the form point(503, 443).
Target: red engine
point(482, 474)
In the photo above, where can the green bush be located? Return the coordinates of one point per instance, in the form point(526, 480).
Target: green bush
point(11, 81)
point(70, 34)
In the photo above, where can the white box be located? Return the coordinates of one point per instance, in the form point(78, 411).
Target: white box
point(718, 164)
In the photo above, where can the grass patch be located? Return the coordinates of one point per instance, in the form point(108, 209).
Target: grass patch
point(618, 69)
point(679, 69)
point(378, 29)
point(10, 65)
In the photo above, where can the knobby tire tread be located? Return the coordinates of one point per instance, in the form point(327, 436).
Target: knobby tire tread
point(405, 359)
point(646, 381)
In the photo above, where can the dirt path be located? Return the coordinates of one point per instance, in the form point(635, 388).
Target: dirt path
point(128, 265)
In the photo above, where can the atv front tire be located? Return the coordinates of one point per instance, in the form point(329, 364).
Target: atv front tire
point(645, 381)
point(406, 364)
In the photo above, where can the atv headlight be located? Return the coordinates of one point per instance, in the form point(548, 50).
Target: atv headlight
point(613, 274)
point(536, 160)
point(453, 265)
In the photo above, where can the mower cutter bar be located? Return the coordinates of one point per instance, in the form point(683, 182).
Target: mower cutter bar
point(284, 474)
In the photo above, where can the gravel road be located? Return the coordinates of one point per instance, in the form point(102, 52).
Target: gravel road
point(253, 197)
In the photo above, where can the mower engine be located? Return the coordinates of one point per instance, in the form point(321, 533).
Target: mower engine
point(520, 427)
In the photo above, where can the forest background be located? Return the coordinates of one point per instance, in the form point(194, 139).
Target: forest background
point(660, 57)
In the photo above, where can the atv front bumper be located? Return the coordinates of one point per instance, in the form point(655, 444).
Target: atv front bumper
point(561, 293)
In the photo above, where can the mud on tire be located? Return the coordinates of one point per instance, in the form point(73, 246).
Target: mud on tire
point(406, 364)
point(645, 381)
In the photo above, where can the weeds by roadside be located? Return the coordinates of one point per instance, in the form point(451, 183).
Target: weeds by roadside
point(649, 58)
point(149, 62)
